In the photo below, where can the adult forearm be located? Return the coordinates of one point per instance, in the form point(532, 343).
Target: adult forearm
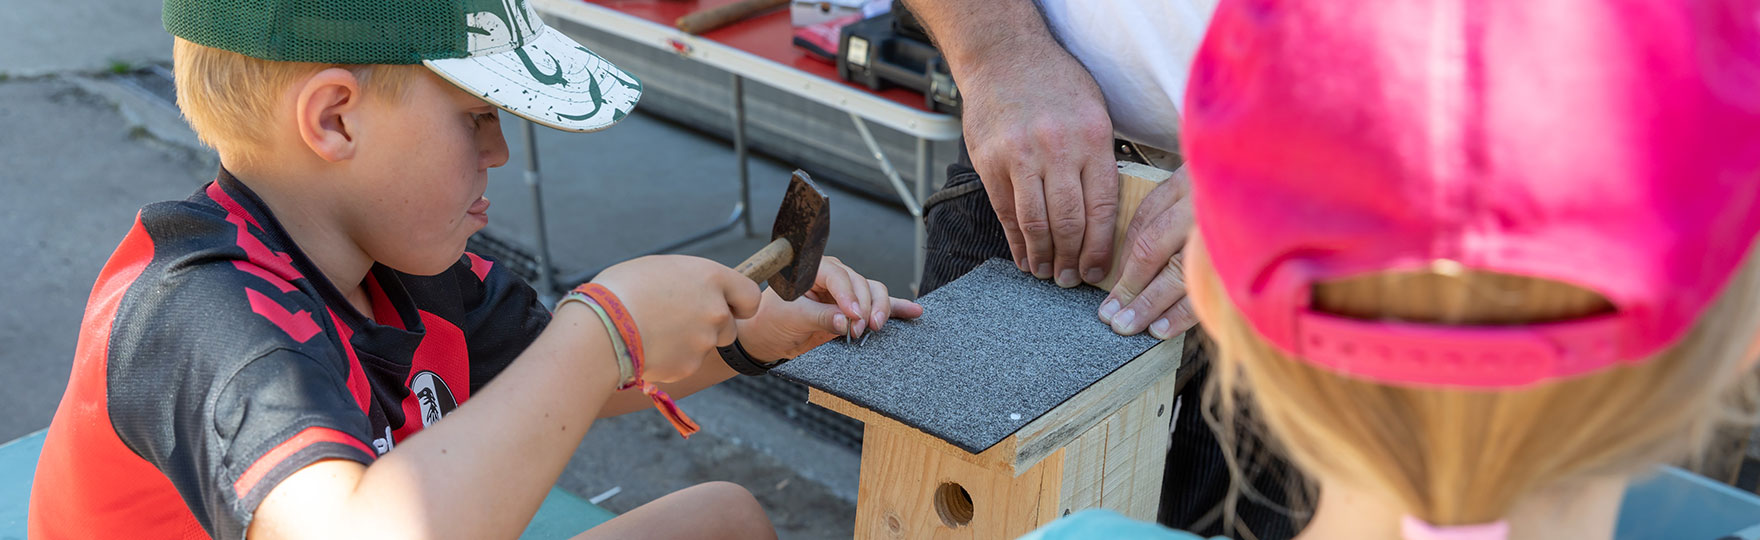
point(984, 34)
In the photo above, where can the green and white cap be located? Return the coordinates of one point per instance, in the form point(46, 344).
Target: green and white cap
point(497, 49)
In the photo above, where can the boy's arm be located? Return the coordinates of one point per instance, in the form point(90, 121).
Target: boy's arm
point(481, 473)
point(714, 371)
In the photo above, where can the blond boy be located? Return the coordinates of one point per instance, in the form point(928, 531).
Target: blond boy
point(259, 359)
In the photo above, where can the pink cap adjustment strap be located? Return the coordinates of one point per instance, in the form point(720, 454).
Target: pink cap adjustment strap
point(1412, 528)
point(1457, 356)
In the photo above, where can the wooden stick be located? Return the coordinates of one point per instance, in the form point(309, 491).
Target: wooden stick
point(698, 22)
point(768, 261)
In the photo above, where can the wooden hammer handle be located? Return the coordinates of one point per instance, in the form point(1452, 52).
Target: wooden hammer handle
point(698, 22)
point(768, 261)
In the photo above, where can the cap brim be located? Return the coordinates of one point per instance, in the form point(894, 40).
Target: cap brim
point(551, 80)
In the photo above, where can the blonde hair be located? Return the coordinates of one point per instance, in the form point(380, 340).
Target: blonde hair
point(1455, 457)
point(229, 98)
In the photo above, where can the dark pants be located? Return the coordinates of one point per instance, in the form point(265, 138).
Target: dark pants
point(963, 232)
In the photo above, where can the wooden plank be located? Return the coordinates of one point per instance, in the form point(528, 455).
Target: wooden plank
point(902, 494)
point(1119, 461)
point(1135, 181)
point(1000, 457)
point(1082, 463)
point(1088, 408)
point(1152, 438)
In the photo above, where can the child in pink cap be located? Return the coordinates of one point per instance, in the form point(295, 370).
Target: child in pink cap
point(1475, 265)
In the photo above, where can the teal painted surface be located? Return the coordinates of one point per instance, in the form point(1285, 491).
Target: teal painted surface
point(18, 466)
point(562, 516)
point(1675, 504)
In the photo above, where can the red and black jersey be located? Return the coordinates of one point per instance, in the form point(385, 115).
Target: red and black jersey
point(215, 360)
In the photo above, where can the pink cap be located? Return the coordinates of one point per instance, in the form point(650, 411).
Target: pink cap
point(1614, 145)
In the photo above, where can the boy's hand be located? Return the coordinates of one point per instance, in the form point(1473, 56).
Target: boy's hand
point(684, 308)
point(841, 302)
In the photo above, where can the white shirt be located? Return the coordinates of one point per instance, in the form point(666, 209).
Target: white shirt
point(1140, 52)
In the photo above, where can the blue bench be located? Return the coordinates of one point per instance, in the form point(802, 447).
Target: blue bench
point(563, 515)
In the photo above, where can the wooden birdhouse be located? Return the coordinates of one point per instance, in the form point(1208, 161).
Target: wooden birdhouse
point(1007, 406)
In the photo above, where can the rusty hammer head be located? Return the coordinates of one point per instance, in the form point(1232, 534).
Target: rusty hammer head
point(805, 221)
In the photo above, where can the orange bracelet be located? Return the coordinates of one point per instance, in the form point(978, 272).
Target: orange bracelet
point(632, 341)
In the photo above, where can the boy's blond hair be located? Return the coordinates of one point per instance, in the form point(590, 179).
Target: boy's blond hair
point(1454, 457)
point(229, 98)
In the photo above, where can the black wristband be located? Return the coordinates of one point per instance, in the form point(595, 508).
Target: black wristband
point(737, 358)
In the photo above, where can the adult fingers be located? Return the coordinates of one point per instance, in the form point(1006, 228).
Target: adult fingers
point(1001, 194)
point(1067, 217)
point(1152, 239)
point(1175, 320)
point(1158, 201)
point(1168, 288)
point(1100, 202)
point(1029, 211)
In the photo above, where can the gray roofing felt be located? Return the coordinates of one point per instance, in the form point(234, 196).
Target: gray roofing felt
point(994, 350)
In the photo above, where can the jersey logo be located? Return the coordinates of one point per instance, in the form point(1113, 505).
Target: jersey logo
point(433, 396)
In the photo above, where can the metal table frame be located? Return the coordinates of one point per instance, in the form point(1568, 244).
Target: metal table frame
point(861, 105)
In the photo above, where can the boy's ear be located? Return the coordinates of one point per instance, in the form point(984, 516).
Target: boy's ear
point(323, 113)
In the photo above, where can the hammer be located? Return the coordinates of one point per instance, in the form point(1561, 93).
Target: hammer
point(791, 261)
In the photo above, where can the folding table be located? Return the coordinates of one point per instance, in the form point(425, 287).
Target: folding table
point(758, 49)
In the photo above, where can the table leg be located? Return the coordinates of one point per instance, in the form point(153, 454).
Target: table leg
point(739, 150)
point(924, 158)
point(546, 284)
point(913, 203)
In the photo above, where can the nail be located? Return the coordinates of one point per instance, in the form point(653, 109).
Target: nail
point(1021, 263)
point(1044, 271)
point(1094, 275)
point(857, 331)
point(1160, 328)
point(1108, 309)
point(1121, 323)
point(840, 321)
point(1067, 278)
point(879, 319)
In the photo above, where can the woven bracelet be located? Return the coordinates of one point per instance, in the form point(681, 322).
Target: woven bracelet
point(626, 369)
point(632, 340)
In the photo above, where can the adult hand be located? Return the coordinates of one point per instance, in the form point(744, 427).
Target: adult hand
point(787, 329)
point(1039, 136)
point(684, 308)
point(1151, 290)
